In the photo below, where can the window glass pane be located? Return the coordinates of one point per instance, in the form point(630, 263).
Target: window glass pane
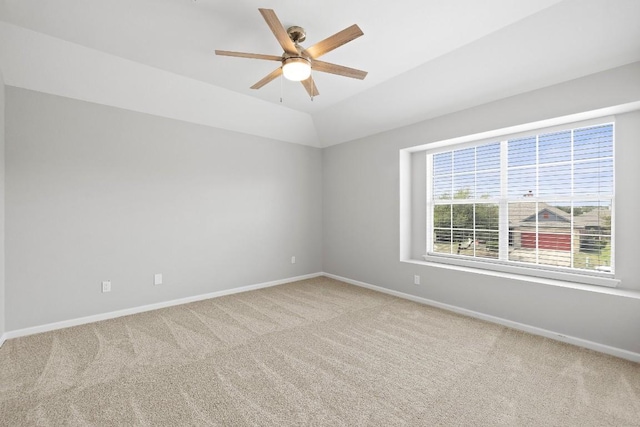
point(554, 147)
point(488, 156)
point(554, 249)
point(464, 186)
point(487, 216)
point(554, 180)
point(462, 216)
point(592, 235)
point(442, 216)
point(487, 244)
point(521, 183)
point(488, 185)
point(554, 234)
point(442, 187)
point(464, 160)
point(442, 163)
point(442, 241)
point(593, 142)
point(593, 177)
point(466, 244)
point(522, 231)
point(522, 151)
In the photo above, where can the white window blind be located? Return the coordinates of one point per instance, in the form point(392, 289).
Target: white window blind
point(543, 200)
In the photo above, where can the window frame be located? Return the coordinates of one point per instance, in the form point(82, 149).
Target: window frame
point(502, 264)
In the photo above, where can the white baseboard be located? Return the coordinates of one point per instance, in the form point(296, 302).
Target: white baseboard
point(602, 348)
point(134, 310)
point(624, 354)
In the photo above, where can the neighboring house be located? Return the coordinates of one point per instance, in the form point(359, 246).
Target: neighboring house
point(553, 227)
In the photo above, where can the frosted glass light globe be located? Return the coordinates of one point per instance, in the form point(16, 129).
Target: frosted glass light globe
point(296, 69)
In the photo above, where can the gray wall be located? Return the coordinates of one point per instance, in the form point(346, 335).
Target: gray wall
point(2, 168)
point(98, 193)
point(361, 215)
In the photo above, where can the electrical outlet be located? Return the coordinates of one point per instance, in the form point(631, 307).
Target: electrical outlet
point(293, 260)
point(106, 286)
point(157, 279)
point(416, 280)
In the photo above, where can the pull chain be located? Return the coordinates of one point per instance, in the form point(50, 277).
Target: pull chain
point(281, 88)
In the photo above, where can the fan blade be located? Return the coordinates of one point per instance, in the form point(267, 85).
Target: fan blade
point(269, 77)
point(334, 41)
point(249, 55)
point(340, 70)
point(278, 30)
point(310, 86)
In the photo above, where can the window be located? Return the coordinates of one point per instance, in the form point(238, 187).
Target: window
point(543, 201)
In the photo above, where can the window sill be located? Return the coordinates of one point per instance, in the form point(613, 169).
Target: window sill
point(597, 284)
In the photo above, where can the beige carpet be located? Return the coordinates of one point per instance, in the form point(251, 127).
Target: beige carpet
point(315, 352)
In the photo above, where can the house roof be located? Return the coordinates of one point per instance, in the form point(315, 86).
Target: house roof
point(594, 218)
point(425, 58)
point(523, 214)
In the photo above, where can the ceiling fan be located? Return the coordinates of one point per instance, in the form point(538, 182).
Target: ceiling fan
point(297, 62)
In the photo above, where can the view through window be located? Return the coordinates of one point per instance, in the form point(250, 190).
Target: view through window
point(543, 200)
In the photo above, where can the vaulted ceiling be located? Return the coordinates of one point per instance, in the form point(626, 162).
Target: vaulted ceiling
point(425, 58)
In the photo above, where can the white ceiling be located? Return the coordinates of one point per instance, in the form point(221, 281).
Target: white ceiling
point(424, 57)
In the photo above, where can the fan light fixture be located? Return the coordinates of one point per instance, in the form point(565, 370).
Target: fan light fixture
point(296, 68)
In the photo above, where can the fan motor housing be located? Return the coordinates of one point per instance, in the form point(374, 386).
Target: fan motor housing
point(297, 34)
